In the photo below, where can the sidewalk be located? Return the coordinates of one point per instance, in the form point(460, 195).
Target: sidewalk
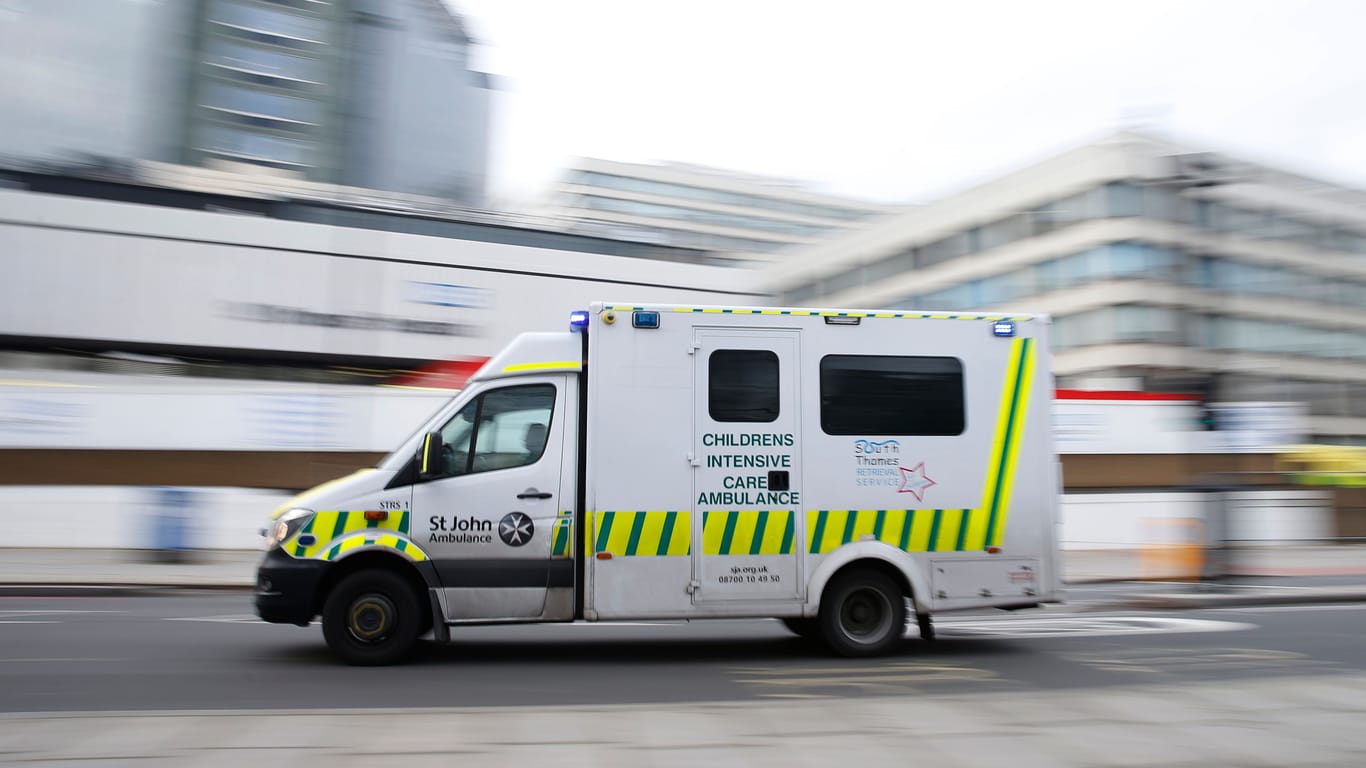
point(1306, 721)
point(1136, 584)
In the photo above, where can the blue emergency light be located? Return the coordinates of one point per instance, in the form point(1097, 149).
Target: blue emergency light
point(1003, 328)
point(578, 320)
point(644, 319)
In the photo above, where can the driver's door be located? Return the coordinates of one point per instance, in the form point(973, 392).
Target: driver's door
point(487, 515)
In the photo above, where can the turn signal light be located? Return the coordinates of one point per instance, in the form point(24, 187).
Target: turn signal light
point(376, 515)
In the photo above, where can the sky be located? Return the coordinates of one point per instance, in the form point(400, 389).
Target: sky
point(905, 100)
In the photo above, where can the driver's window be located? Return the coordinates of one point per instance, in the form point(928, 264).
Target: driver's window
point(499, 429)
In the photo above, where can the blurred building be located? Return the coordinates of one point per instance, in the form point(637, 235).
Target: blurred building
point(748, 216)
point(1165, 269)
point(366, 93)
point(173, 270)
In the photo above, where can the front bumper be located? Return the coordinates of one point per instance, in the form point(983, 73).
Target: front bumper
point(286, 588)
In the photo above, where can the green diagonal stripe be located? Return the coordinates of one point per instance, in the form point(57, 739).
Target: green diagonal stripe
point(789, 531)
point(636, 525)
point(934, 529)
point(605, 531)
point(340, 525)
point(667, 534)
point(732, 517)
point(1006, 444)
point(815, 543)
point(757, 543)
point(850, 520)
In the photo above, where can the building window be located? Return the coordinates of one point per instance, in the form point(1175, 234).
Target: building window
point(886, 395)
point(742, 385)
point(275, 21)
point(1124, 199)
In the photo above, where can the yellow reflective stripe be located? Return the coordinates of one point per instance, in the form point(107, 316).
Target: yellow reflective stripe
point(680, 542)
point(620, 535)
point(920, 531)
point(774, 532)
point(864, 524)
point(557, 364)
point(1013, 446)
point(713, 530)
point(977, 528)
point(893, 524)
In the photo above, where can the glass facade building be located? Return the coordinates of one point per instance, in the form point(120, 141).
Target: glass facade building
point(748, 217)
point(1241, 279)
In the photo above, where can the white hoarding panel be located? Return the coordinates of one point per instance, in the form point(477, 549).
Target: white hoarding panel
point(96, 270)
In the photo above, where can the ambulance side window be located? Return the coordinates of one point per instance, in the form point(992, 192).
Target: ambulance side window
point(500, 429)
point(891, 395)
point(742, 385)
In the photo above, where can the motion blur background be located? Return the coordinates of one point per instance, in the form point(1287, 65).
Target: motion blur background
point(249, 244)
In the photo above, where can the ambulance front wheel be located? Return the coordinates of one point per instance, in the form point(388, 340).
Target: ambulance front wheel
point(863, 613)
point(371, 618)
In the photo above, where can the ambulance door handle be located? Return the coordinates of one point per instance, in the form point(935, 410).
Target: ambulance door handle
point(532, 493)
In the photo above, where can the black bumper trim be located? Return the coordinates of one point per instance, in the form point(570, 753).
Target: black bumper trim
point(286, 588)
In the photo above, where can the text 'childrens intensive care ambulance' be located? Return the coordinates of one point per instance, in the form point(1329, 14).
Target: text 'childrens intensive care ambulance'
point(826, 468)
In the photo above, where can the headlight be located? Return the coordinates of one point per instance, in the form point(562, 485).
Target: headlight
point(284, 527)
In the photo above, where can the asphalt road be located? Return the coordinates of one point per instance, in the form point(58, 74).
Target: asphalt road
point(207, 651)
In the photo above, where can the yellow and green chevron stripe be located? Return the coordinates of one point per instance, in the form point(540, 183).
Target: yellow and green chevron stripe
point(561, 535)
point(333, 534)
point(748, 532)
point(829, 313)
point(642, 533)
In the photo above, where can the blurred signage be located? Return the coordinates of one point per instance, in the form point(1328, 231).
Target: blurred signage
point(1257, 426)
point(1155, 422)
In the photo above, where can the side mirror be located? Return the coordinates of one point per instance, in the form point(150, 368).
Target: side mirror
point(430, 459)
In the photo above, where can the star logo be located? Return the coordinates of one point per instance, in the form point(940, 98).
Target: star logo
point(515, 529)
point(914, 481)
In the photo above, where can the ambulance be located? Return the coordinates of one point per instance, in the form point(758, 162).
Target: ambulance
point(838, 470)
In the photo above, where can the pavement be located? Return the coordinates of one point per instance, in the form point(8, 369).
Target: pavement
point(1169, 578)
point(1309, 722)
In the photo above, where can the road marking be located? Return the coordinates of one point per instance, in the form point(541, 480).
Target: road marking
point(18, 617)
point(47, 612)
point(73, 660)
point(899, 676)
point(1293, 608)
point(1179, 661)
point(229, 618)
point(1080, 626)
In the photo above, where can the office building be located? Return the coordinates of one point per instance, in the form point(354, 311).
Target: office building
point(1164, 268)
point(364, 93)
point(752, 218)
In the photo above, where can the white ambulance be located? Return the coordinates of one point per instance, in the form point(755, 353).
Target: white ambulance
point(823, 467)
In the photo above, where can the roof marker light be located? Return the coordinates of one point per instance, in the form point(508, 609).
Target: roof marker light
point(578, 320)
point(1003, 328)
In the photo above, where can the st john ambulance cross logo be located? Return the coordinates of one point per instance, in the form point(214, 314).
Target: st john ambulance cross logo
point(515, 529)
point(915, 481)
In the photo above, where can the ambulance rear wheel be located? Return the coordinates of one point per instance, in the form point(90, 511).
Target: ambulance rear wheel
point(863, 613)
point(371, 618)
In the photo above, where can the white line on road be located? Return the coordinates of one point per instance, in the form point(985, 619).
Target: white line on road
point(1080, 626)
point(1295, 608)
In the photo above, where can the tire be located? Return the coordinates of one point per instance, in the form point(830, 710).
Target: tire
point(863, 613)
point(371, 618)
point(801, 627)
